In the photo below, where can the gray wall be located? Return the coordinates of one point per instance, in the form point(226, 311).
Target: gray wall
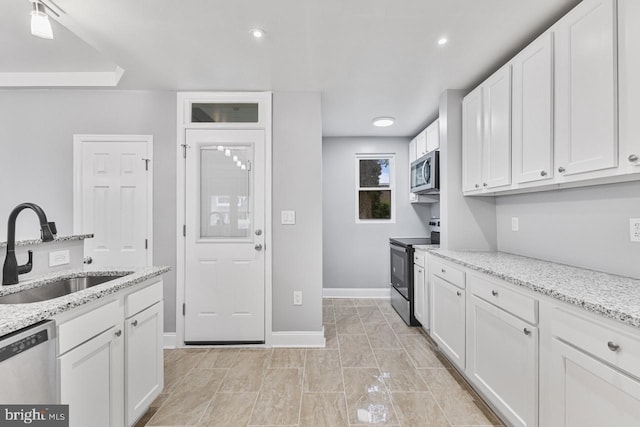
point(467, 222)
point(36, 158)
point(587, 227)
point(357, 255)
point(297, 186)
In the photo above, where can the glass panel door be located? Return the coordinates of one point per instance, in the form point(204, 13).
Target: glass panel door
point(225, 187)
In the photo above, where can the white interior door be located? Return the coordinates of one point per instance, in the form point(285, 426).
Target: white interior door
point(224, 236)
point(112, 198)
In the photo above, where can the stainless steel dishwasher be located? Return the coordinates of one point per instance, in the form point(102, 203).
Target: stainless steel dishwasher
point(28, 368)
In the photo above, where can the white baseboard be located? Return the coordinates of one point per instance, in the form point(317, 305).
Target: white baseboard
point(169, 340)
point(312, 339)
point(356, 292)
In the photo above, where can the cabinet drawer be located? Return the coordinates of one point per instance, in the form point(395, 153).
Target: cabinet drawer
point(87, 326)
point(609, 344)
point(418, 258)
point(138, 301)
point(449, 273)
point(511, 301)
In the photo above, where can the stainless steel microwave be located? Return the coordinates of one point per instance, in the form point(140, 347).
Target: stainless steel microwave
point(425, 173)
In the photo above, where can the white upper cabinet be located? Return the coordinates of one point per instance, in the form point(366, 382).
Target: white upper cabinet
point(496, 159)
point(533, 112)
point(421, 144)
point(629, 81)
point(433, 136)
point(472, 135)
point(412, 151)
point(586, 89)
point(486, 134)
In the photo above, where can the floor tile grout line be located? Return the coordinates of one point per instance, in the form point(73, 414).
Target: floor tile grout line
point(214, 394)
point(344, 384)
point(264, 374)
point(304, 373)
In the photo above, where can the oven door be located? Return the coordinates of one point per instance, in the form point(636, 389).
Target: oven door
point(399, 269)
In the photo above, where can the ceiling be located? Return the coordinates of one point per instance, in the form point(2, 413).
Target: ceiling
point(368, 58)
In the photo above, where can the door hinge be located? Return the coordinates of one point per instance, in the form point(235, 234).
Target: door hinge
point(146, 243)
point(184, 309)
point(184, 150)
point(248, 165)
point(184, 230)
point(146, 164)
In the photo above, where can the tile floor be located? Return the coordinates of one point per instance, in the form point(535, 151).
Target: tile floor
point(374, 371)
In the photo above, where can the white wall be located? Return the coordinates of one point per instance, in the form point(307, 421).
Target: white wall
point(36, 158)
point(297, 186)
point(466, 222)
point(587, 227)
point(357, 255)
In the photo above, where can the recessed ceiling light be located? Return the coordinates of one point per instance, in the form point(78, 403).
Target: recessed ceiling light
point(382, 122)
point(257, 33)
point(442, 41)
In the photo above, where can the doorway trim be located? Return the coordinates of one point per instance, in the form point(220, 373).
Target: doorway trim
point(184, 101)
point(78, 140)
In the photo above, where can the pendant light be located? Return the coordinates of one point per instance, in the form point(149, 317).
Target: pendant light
point(40, 25)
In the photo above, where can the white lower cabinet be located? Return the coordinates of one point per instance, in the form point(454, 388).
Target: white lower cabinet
point(419, 294)
point(110, 357)
point(594, 372)
point(144, 362)
point(91, 381)
point(502, 361)
point(448, 319)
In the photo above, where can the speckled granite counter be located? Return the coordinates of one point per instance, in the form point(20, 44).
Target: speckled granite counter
point(17, 316)
point(608, 295)
point(57, 239)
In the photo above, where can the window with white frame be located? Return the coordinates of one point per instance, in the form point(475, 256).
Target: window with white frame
point(375, 188)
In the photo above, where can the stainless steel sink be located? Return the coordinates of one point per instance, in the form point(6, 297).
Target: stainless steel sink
point(56, 289)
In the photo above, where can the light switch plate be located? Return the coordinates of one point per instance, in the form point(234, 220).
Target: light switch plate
point(288, 217)
point(634, 229)
point(59, 258)
point(514, 224)
point(297, 297)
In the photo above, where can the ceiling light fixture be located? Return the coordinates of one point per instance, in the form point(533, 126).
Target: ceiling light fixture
point(257, 33)
point(40, 25)
point(383, 122)
point(442, 41)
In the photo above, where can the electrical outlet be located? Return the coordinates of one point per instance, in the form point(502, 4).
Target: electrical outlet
point(634, 229)
point(59, 258)
point(514, 224)
point(297, 297)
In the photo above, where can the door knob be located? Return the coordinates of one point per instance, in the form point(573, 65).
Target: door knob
point(258, 247)
point(258, 232)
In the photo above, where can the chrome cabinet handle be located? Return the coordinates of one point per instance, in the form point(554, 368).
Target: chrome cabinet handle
point(633, 158)
point(477, 186)
point(484, 184)
point(134, 323)
point(543, 173)
point(443, 270)
point(87, 260)
point(613, 346)
point(459, 293)
point(526, 331)
point(561, 169)
point(258, 247)
point(118, 332)
point(494, 293)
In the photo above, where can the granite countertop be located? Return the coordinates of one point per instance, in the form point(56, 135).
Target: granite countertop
point(57, 239)
point(18, 316)
point(426, 247)
point(608, 295)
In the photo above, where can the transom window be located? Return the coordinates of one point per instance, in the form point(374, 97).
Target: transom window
point(375, 188)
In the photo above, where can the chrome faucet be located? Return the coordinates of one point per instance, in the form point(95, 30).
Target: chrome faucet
point(11, 269)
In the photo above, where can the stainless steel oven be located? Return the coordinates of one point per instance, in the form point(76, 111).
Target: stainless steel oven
point(425, 174)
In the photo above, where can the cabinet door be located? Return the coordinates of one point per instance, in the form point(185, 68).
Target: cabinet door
point(590, 393)
point(418, 293)
point(448, 319)
point(472, 128)
point(433, 136)
point(503, 361)
point(91, 381)
point(412, 151)
point(533, 111)
point(421, 144)
point(629, 83)
point(586, 89)
point(496, 145)
point(144, 357)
